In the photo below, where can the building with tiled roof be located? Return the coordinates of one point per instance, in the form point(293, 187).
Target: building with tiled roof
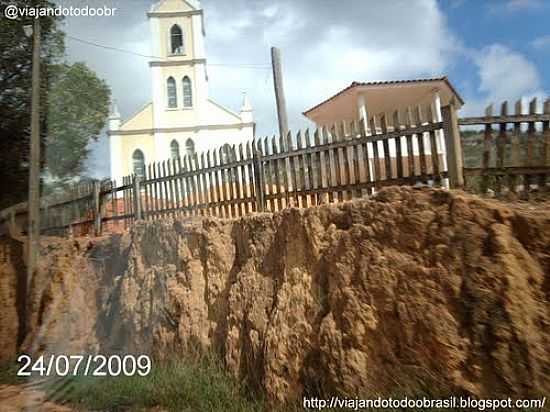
point(363, 100)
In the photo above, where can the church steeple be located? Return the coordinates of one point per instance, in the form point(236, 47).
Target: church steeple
point(177, 30)
point(179, 67)
point(180, 116)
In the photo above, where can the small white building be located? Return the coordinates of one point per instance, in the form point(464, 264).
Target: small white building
point(365, 100)
point(370, 101)
point(181, 118)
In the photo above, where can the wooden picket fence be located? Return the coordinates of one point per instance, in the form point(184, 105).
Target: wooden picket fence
point(345, 161)
point(302, 170)
point(74, 209)
point(330, 164)
point(512, 159)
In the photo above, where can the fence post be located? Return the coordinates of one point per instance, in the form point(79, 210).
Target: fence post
point(258, 180)
point(97, 208)
point(12, 217)
point(11, 224)
point(453, 144)
point(137, 197)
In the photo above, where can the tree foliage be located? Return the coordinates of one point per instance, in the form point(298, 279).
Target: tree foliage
point(78, 106)
point(73, 109)
point(15, 95)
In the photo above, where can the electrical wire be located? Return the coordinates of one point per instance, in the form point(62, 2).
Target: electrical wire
point(112, 48)
point(241, 65)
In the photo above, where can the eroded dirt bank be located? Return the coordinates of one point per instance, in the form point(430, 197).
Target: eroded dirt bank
point(352, 298)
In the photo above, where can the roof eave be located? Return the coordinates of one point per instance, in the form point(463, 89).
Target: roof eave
point(356, 84)
point(340, 93)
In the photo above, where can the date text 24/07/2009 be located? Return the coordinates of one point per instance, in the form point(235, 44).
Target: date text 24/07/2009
point(87, 365)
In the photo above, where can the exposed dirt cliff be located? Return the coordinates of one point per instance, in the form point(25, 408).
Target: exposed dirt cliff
point(355, 298)
point(11, 288)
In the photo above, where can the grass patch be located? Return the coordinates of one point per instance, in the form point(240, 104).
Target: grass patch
point(8, 373)
point(201, 384)
point(178, 385)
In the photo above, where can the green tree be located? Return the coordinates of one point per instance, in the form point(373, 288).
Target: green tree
point(15, 95)
point(78, 106)
point(74, 105)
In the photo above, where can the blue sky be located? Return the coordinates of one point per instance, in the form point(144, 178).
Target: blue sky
point(516, 33)
point(491, 50)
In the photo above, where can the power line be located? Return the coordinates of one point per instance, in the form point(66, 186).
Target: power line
point(102, 46)
point(112, 48)
point(244, 66)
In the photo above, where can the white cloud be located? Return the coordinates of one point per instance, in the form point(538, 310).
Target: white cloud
point(542, 42)
point(324, 49)
point(506, 74)
point(270, 11)
point(285, 24)
point(231, 29)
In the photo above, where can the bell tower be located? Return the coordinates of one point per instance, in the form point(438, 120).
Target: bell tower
point(178, 69)
point(180, 119)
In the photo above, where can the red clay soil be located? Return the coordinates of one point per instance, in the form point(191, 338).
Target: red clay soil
point(358, 298)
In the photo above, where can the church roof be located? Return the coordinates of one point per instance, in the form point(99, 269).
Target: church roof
point(174, 6)
point(141, 118)
point(225, 109)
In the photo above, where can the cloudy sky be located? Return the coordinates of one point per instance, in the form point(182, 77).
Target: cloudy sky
point(491, 50)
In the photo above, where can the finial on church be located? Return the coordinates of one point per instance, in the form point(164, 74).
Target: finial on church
point(246, 106)
point(114, 113)
point(114, 117)
point(246, 110)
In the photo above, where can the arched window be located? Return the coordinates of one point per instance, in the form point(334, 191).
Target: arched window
point(187, 92)
point(138, 163)
point(171, 92)
point(174, 149)
point(176, 39)
point(189, 147)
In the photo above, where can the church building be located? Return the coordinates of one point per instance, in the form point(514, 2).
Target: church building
point(181, 118)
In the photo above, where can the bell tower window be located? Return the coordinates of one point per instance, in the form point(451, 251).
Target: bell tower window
point(171, 93)
point(187, 92)
point(176, 39)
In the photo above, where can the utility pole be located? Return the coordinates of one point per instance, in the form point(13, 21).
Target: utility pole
point(34, 175)
point(282, 113)
point(279, 91)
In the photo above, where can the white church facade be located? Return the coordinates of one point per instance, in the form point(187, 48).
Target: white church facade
point(181, 118)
